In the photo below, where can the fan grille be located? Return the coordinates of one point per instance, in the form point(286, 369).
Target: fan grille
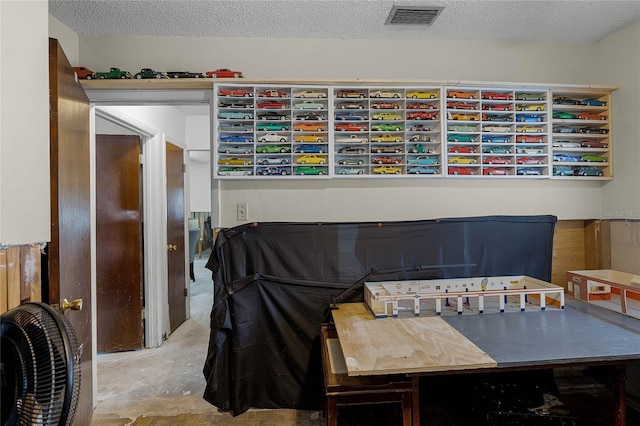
point(40, 372)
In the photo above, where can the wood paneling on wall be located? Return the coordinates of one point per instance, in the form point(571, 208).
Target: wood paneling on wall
point(568, 250)
point(597, 239)
point(579, 245)
point(20, 276)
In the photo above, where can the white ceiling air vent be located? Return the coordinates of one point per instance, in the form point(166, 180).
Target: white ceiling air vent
point(413, 15)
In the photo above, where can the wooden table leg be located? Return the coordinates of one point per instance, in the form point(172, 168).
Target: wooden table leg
point(415, 404)
point(620, 396)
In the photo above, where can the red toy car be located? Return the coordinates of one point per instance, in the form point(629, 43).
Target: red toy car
point(495, 171)
point(461, 171)
point(272, 93)
point(529, 139)
point(385, 105)
point(496, 160)
point(351, 127)
point(272, 105)
point(236, 92)
point(497, 107)
point(462, 149)
point(386, 160)
point(419, 105)
point(224, 73)
point(591, 116)
point(593, 144)
point(421, 115)
point(529, 160)
point(497, 96)
point(461, 105)
point(84, 73)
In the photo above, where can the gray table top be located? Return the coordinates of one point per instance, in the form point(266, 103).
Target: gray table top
point(581, 333)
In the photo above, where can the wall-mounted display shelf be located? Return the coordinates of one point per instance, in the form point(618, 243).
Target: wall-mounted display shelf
point(581, 134)
point(497, 132)
point(387, 130)
point(279, 130)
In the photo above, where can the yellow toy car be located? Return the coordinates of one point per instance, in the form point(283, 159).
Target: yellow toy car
point(387, 170)
point(309, 138)
point(235, 161)
point(421, 94)
point(311, 159)
point(386, 116)
point(462, 160)
point(387, 138)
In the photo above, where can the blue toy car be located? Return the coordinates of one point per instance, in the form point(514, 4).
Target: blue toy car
point(566, 158)
point(529, 118)
point(236, 139)
point(593, 102)
point(419, 170)
point(311, 148)
point(496, 139)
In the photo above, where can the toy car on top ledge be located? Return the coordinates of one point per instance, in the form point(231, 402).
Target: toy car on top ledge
point(149, 73)
point(84, 73)
point(184, 74)
point(113, 73)
point(224, 73)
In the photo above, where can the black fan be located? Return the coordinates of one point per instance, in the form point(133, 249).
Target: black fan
point(39, 366)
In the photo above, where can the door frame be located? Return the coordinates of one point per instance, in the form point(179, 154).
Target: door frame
point(155, 286)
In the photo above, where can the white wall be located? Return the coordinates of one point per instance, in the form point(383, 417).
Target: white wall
point(166, 119)
point(621, 54)
point(348, 59)
point(69, 40)
point(198, 128)
point(194, 135)
point(25, 215)
point(386, 199)
point(200, 180)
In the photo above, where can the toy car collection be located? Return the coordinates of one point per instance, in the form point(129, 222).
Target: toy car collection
point(502, 133)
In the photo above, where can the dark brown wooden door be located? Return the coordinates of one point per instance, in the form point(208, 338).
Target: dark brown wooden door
point(175, 237)
point(119, 258)
point(68, 262)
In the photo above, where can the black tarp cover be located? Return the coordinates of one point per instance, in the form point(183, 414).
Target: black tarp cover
point(273, 284)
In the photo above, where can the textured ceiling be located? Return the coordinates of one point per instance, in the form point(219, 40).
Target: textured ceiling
point(520, 20)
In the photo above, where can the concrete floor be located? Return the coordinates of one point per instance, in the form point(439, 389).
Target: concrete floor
point(164, 386)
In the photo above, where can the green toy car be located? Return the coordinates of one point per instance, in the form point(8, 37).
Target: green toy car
point(113, 73)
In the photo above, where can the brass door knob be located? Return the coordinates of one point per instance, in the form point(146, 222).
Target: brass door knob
point(172, 247)
point(74, 305)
